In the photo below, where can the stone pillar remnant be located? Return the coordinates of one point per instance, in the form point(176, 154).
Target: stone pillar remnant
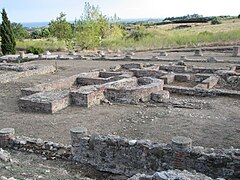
point(198, 52)
point(181, 145)
point(6, 135)
point(76, 134)
point(236, 51)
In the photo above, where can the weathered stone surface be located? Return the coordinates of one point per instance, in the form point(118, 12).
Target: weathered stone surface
point(4, 155)
point(173, 68)
point(201, 92)
point(132, 66)
point(236, 51)
point(160, 96)
point(163, 53)
point(182, 77)
point(6, 135)
point(180, 143)
point(168, 78)
point(198, 52)
point(46, 102)
point(87, 96)
point(21, 71)
point(133, 95)
point(122, 156)
point(148, 73)
point(171, 175)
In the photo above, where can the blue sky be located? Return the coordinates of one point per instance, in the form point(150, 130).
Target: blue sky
point(46, 10)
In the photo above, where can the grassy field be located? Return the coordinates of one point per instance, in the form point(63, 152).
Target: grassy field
point(170, 36)
point(164, 36)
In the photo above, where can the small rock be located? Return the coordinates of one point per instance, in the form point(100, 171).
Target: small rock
point(132, 142)
point(4, 155)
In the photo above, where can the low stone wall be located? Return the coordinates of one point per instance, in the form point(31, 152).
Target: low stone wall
point(8, 77)
point(206, 70)
point(134, 94)
point(65, 83)
point(211, 81)
point(174, 68)
point(122, 156)
point(148, 73)
point(119, 155)
point(201, 91)
point(172, 175)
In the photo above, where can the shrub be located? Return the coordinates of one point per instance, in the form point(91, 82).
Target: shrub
point(138, 33)
point(216, 20)
point(239, 16)
point(35, 50)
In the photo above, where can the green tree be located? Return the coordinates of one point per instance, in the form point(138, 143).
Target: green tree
point(8, 43)
point(45, 33)
point(91, 28)
point(36, 34)
point(19, 32)
point(60, 28)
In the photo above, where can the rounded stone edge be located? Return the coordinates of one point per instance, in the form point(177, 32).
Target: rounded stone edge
point(7, 131)
point(181, 143)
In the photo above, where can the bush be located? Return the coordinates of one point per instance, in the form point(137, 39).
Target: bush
point(215, 21)
point(239, 16)
point(138, 33)
point(35, 50)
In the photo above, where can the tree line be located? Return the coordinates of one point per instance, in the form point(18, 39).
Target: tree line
point(86, 32)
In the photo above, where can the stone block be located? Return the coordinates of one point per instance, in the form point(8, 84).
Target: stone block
point(173, 68)
point(6, 135)
point(201, 86)
point(132, 66)
point(148, 73)
point(76, 134)
point(198, 52)
point(87, 96)
point(168, 78)
point(45, 102)
point(160, 96)
point(182, 77)
point(163, 53)
point(211, 81)
point(236, 51)
point(201, 77)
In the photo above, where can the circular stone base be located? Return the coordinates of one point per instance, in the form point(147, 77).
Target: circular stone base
point(181, 143)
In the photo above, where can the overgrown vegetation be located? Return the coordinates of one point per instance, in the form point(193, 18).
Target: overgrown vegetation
point(96, 30)
point(8, 43)
point(34, 50)
point(216, 20)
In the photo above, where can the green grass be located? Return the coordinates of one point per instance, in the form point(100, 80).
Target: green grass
point(46, 44)
point(169, 37)
point(164, 36)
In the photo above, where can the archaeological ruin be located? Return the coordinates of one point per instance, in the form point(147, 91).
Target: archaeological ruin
point(131, 83)
point(151, 82)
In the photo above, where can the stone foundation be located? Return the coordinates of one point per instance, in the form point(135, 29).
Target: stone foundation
point(119, 155)
point(16, 72)
point(45, 102)
point(122, 156)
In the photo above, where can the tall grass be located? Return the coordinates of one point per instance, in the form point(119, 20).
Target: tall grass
point(175, 39)
point(46, 44)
